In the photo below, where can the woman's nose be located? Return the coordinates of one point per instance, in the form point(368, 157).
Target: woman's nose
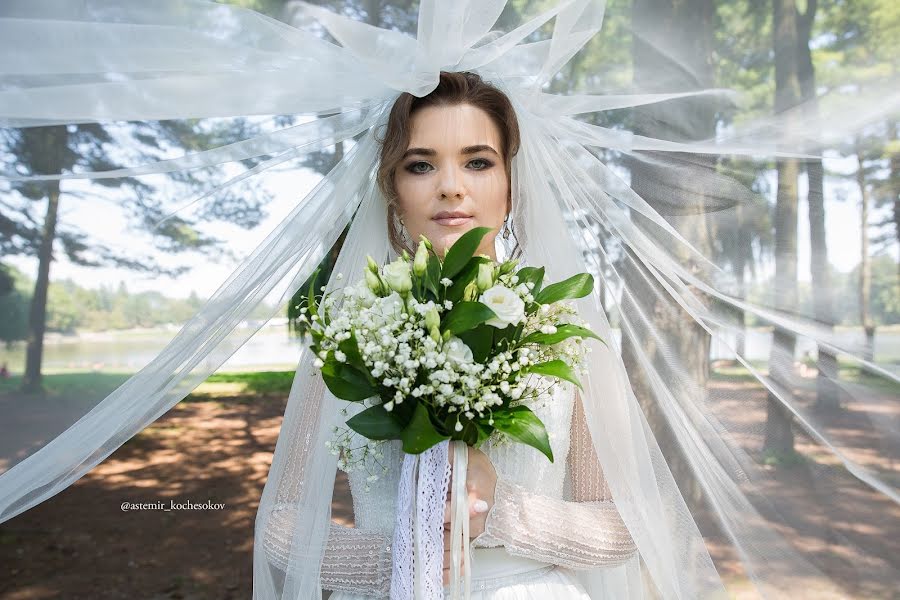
point(451, 184)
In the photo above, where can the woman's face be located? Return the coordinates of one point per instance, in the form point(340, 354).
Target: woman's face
point(453, 165)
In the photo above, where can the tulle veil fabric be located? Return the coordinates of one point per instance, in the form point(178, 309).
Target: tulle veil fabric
point(572, 212)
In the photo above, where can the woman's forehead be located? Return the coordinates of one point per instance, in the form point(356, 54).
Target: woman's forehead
point(452, 128)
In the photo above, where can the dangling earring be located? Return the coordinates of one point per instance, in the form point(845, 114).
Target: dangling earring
point(404, 235)
point(506, 228)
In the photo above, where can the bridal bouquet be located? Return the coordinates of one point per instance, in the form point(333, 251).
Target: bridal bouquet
point(446, 350)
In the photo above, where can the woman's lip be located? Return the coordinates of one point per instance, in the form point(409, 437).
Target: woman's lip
point(453, 220)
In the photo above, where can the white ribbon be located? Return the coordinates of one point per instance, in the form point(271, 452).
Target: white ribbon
point(418, 541)
point(459, 522)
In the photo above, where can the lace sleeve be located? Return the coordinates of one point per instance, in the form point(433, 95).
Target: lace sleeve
point(585, 533)
point(356, 560)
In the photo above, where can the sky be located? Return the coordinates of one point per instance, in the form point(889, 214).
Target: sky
point(288, 187)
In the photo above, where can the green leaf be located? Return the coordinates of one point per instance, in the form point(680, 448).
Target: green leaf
point(350, 347)
point(471, 431)
point(479, 340)
point(534, 275)
point(346, 382)
point(462, 251)
point(523, 425)
point(420, 434)
point(311, 294)
point(484, 432)
point(433, 275)
point(554, 368)
point(577, 286)
point(375, 423)
point(564, 331)
point(469, 274)
point(503, 337)
point(466, 315)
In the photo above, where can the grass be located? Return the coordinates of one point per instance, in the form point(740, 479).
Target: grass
point(63, 386)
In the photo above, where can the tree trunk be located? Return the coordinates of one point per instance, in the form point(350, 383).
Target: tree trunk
point(865, 264)
point(894, 183)
point(827, 391)
point(37, 321)
point(683, 336)
point(779, 435)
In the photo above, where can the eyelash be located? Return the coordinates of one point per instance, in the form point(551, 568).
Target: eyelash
point(412, 166)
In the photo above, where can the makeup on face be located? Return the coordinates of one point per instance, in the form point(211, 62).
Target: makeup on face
point(452, 177)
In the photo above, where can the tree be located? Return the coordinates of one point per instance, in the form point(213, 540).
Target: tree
point(779, 439)
point(83, 147)
point(13, 306)
point(827, 391)
point(689, 66)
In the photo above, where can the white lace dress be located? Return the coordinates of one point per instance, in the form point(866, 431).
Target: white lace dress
point(548, 518)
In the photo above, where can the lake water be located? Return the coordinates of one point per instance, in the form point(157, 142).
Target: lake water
point(273, 348)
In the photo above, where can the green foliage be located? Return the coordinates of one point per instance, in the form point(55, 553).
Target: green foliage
point(417, 422)
point(462, 250)
point(554, 368)
point(577, 286)
point(14, 305)
point(375, 423)
point(885, 294)
point(465, 316)
point(420, 434)
point(72, 308)
point(521, 424)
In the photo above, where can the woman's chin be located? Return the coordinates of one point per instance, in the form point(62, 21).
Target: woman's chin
point(443, 240)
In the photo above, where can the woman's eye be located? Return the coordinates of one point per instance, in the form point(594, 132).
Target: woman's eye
point(419, 167)
point(480, 164)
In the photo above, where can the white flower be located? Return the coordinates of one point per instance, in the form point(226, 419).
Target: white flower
point(392, 305)
point(318, 363)
point(509, 308)
point(459, 426)
point(458, 351)
point(365, 295)
point(398, 276)
point(446, 282)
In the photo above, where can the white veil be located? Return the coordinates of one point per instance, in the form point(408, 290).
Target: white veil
point(678, 457)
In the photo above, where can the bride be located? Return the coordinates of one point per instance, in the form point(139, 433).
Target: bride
point(445, 168)
point(460, 116)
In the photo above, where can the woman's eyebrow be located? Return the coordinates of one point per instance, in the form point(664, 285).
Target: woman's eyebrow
point(432, 152)
point(478, 148)
point(422, 151)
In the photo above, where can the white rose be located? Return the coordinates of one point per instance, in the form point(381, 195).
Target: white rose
point(366, 296)
point(391, 305)
point(457, 351)
point(507, 305)
point(397, 276)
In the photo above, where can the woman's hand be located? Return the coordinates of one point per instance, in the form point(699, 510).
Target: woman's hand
point(481, 482)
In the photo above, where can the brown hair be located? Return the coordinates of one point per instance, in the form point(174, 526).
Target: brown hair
point(452, 89)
